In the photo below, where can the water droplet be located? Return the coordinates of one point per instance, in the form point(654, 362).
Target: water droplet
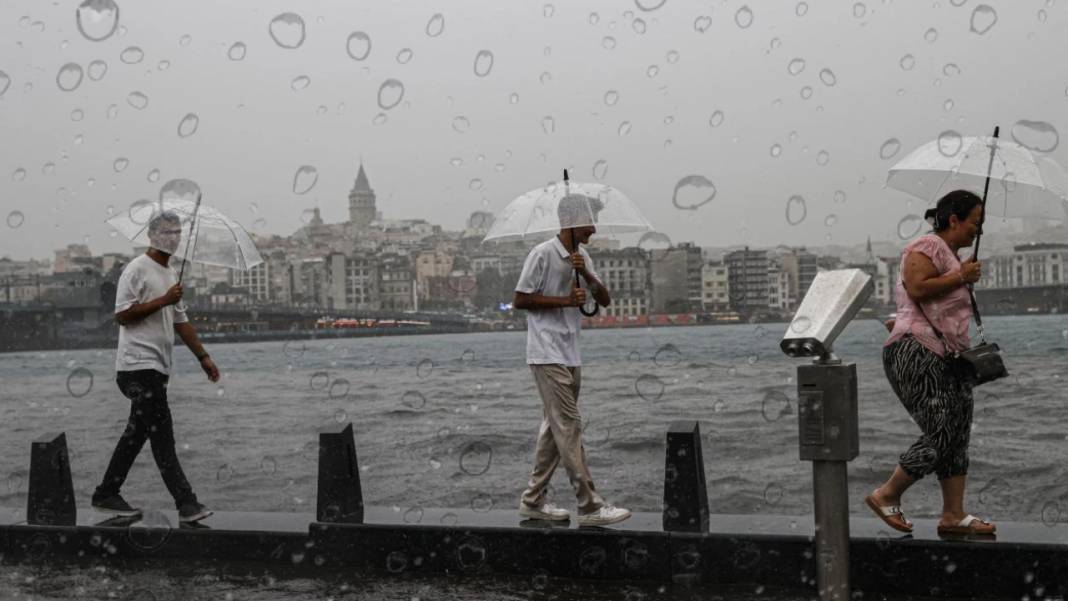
point(948, 104)
point(950, 69)
point(404, 56)
point(652, 71)
point(983, 18)
point(15, 219)
point(547, 11)
point(390, 93)
point(649, 5)
point(839, 196)
point(594, 18)
point(137, 100)
point(958, 2)
point(1036, 135)
point(827, 77)
point(909, 226)
point(185, 40)
point(97, 19)
point(776, 150)
point(460, 124)
point(931, 35)
point(796, 210)
point(545, 77)
point(859, 10)
point(18, 175)
point(949, 143)
point(188, 125)
point(702, 23)
point(608, 42)
point(624, 128)
point(79, 139)
point(48, 168)
point(801, 9)
point(693, 192)
point(806, 92)
point(743, 17)
point(907, 62)
point(358, 45)
point(1042, 16)
point(830, 220)
point(600, 169)
point(69, 77)
point(164, 65)
point(96, 70)
point(639, 26)
point(796, 66)
point(153, 176)
point(287, 30)
point(611, 97)
point(305, 179)
point(513, 98)
point(113, 111)
point(889, 148)
point(548, 124)
point(120, 164)
point(483, 63)
point(237, 51)
point(299, 83)
point(716, 119)
point(672, 56)
point(132, 55)
point(822, 158)
point(177, 189)
point(436, 25)
point(380, 119)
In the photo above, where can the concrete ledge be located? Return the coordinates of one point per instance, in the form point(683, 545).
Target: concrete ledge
point(1026, 560)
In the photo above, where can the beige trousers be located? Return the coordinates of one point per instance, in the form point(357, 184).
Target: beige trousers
point(560, 438)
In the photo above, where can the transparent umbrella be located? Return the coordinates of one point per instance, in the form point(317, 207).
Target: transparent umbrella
point(207, 235)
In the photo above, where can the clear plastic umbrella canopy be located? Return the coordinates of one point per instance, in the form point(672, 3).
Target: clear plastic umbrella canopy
point(1022, 183)
point(567, 204)
point(213, 239)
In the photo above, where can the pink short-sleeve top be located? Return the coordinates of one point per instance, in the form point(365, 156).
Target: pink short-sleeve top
point(951, 312)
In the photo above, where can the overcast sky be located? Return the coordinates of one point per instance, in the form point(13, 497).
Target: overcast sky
point(689, 62)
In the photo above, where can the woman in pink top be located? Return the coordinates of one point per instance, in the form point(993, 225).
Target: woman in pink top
point(933, 315)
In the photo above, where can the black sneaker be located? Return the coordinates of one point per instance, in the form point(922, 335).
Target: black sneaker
point(115, 505)
point(192, 512)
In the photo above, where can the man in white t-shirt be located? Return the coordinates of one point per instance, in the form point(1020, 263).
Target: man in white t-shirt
point(149, 314)
point(548, 292)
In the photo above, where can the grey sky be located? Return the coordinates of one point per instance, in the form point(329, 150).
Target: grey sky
point(255, 130)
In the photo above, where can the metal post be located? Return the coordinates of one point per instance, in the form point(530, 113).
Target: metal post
point(832, 529)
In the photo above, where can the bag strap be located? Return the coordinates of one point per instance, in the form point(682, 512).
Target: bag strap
point(938, 333)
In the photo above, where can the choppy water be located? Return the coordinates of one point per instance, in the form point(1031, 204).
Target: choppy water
point(450, 420)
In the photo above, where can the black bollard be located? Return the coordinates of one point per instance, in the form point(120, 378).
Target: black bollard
point(340, 497)
point(685, 495)
point(50, 499)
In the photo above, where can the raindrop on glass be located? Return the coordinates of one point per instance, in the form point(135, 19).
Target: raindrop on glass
point(69, 77)
point(930, 35)
point(594, 18)
point(97, 19)
point(907, 62)
point(611, 97)
point(1036, 135)
point(436, 25)
point(796, 66)
point(624, 128)
point(547, 11)
point(776, 150)
point(1042, 16)
point(299, 83)
point(983, 18)
point(153, 176)
point(237, 51)
point(475, 184)
point(830, 220)
point(949, 143)
point(358, 46)
point(120, 164)
point(743, 17)
point(390, 93)
point(287, 30)
point(652, 71)
point(178, 189)
point(716, 119)
point(404, 56)
point(692, 192)
point(48, 167)
point(305, 179)
point(950, 69)
point(15, 219)
point(801, 9)
point(649, 5)
point(548, 124)
point(822, 158)
point(839, 196)
point(513, 98)
point(132, 55)
point(483, 63)
point(827, 77)
point(188, 125)
point(185, 40)
point(948, 104)
point(909, 226)
point(545, 77)
point(460, 124)
point(672, 56)
point(889, 148)
point(859, 10)
point(164, 65)
point(806, 92)
point(18, 175)
point(701, 24)
point(600, 169)
point(639, 26)
point(380, 119)
point(96, 70)
point(137, 100)
point(796, 210)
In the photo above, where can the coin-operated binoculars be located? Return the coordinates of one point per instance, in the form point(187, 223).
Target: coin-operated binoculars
point(827, 414)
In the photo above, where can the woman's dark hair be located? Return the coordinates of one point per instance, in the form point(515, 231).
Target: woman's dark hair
point(957, 202)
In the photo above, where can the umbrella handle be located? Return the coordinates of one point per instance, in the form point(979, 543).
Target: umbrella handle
point(574, 248)
point(979, 236)
point(185, 255)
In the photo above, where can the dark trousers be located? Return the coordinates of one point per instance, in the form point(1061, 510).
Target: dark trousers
point(150, 419)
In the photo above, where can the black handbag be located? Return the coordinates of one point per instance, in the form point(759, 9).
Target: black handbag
point(981, 363)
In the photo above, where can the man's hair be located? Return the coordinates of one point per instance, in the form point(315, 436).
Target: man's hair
point(162, 217)
point(577, 210)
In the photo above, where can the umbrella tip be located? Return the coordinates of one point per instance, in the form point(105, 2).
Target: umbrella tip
point(565, 175)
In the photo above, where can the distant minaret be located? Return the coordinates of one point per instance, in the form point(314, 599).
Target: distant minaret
point(871, 255)
point(361, 203)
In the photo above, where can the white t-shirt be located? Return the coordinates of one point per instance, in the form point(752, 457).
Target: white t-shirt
point(552, 334)
point(148, 343)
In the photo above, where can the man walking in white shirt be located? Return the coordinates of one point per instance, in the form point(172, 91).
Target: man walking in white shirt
point(548, 292)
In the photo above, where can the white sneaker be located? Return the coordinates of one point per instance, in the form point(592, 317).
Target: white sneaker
point(547, 511)
point(607, 514)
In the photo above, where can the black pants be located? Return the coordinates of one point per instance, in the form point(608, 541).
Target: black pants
point(150, 419)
